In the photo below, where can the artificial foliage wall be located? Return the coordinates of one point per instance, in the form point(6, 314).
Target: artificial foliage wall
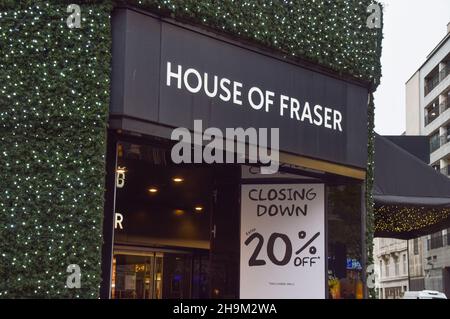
point(54, 97)
point(333, 33)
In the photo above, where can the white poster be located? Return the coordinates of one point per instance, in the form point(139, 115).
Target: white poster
point(282, 241)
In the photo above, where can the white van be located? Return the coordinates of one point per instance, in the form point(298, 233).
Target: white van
point(424, 294)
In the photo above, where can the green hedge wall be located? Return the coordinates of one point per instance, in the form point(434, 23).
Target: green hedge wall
point(54, 97)
point(333, 33)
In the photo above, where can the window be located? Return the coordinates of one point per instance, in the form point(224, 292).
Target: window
point(436, 240)
point(432, 111)
point(446, 102)
point(416, 246)
point(381, 268)
point(397, 266)
point(434, 142)
point(344, 249)
point(386, 268)
point(431, 80)
point(405, 265)
point(445, 138)
point(445, 71)
point(393, 292)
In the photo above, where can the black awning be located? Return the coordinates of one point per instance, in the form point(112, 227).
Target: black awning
point(411, 198)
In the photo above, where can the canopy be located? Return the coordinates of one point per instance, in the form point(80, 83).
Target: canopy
point(411, 198)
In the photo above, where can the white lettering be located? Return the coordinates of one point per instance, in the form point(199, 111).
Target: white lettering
point(237, 93)
point(192, 89)
point(269, 99)
point(295, 107)
point(118, 219)
point(228, 90)
point(328, 117)
point(317, 112)
point(171, 74)
point(306, 113)
point(337, 120)
point(250, 98)
point(283, 104)
point(214, 92)
point(225, 89)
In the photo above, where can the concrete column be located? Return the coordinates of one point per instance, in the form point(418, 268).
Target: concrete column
point(443, 163)
point(442, 131)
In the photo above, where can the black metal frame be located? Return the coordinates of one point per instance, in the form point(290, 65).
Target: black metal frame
point(108, 218)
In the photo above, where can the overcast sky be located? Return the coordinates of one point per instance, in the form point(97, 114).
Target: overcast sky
point(412, 28)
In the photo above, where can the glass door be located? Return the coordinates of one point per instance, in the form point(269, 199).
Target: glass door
point(177, 279)
point(158, 275)
point(135, 277)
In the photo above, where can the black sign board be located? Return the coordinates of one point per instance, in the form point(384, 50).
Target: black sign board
point(167, 75)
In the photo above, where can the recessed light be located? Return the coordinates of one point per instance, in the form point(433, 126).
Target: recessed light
point(178, 212)
point(178, 179)
point(153, 190)
point(198, 208)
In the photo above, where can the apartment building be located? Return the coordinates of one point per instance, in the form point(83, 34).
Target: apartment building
point(428, 114)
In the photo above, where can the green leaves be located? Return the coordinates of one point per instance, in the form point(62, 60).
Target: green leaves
point(332, 33)
point(54, 99)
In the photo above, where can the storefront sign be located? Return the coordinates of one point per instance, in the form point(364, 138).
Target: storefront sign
point(168, 76)
point(118, 220)
point(237, 93)
point(282, 241)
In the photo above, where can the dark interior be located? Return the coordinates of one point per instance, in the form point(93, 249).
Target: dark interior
point(176, 209)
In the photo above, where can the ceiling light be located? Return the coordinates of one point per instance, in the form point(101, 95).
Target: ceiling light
point(198, 208)
point(153, 190)
point(178, 179)
point(179, 212)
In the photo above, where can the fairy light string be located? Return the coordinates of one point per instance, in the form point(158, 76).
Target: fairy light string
point(54, 99)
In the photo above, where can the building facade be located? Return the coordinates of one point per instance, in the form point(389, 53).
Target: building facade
point(391, 257)
point(428, 114)
point(92, 170)
point(200, 229)
point(415, 264)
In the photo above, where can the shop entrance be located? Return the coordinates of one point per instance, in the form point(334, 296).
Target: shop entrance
point(175, 229)
point(159, 275)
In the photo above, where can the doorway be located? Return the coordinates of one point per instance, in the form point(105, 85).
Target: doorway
point(136, 276)
point(176, 227)
point(160, 275)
